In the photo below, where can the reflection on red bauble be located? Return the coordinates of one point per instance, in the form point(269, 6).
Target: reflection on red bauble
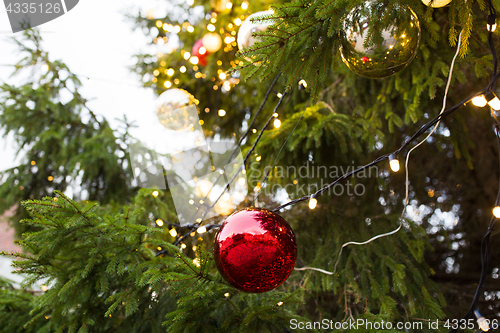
point(255, 250)
point(200, 51)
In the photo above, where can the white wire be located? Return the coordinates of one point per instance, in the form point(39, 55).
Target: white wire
point(406, 172)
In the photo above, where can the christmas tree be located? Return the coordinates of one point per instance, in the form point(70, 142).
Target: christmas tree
point(278, 113)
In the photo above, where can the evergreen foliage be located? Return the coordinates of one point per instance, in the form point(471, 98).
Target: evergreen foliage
point(98, 257)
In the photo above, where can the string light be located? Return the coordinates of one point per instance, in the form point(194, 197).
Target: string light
point(481, 321)
point(491, 25)
point(155, 193)
point(173, 232)
point(302, 84)
point(187, 55)
point(313, 202)
point(159, 24)
point(277, 123)
point(177, 29)
point(222, 113)
point(167, 84)
point(190, 29)
point(479, 101)
point(237, 21)
point(222, 76)
point(496, 212)
point(393, 163)
point(201, 229)
point(159, 222)
point(211, 27)
point(229, 5)
point(182, 69)
point(279, 95)
point(170, 72)
point(183, 246)
point(487, 98)
point(244, 5)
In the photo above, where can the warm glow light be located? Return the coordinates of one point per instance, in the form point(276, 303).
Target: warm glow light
point(177, 29)
point(494, 103)
point(183, 246)
point(244, 5)
point(258, 158)
point(313, 203)
point(170, 72)
point(277, 123)
point(201, 230)
point(303, 83)
point(229, 5)
point(182, 69)
point(196, 262)
point(167, 84)
point(202, 50)
point(479, 101)
point(496, 212)
point(237, 21)
point(173, 232)
point(187, 55)
point(202, 188)
point(190, 28)
point(279, 95)
point(150, 14)
point(50, 178)
point(190, 2)
point(491, 27)
point(155, 193)
point(279, 304)
point(159, 23)
point(226, 295)
point(241, 181)
point(167, 27)
point(212, 42)
point(222, 113)
point(393, 163)
point(194, 60)
point(156, 72)
point(211, 27)
point(159, 222)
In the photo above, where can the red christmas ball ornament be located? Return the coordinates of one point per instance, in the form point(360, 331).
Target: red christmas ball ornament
point(200, 51)
point(255, 250)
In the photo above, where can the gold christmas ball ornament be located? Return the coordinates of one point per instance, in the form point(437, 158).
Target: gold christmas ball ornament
point(373, 49)
point(436, 3)
point(248, 27)
point(176, 109)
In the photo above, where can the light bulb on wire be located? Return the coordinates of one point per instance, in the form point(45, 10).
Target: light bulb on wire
point(481, 321)
point(496, 212)
point(487, 98)
point(313, 202)
point(491, 25)
point(393, 163)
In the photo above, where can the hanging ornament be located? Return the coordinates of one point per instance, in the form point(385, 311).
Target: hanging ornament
point(375, 49)
point(212, 42)
point(255, 250)
point(248, 27)
point(436, 3)
point(200, 51)
point(176, 109)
